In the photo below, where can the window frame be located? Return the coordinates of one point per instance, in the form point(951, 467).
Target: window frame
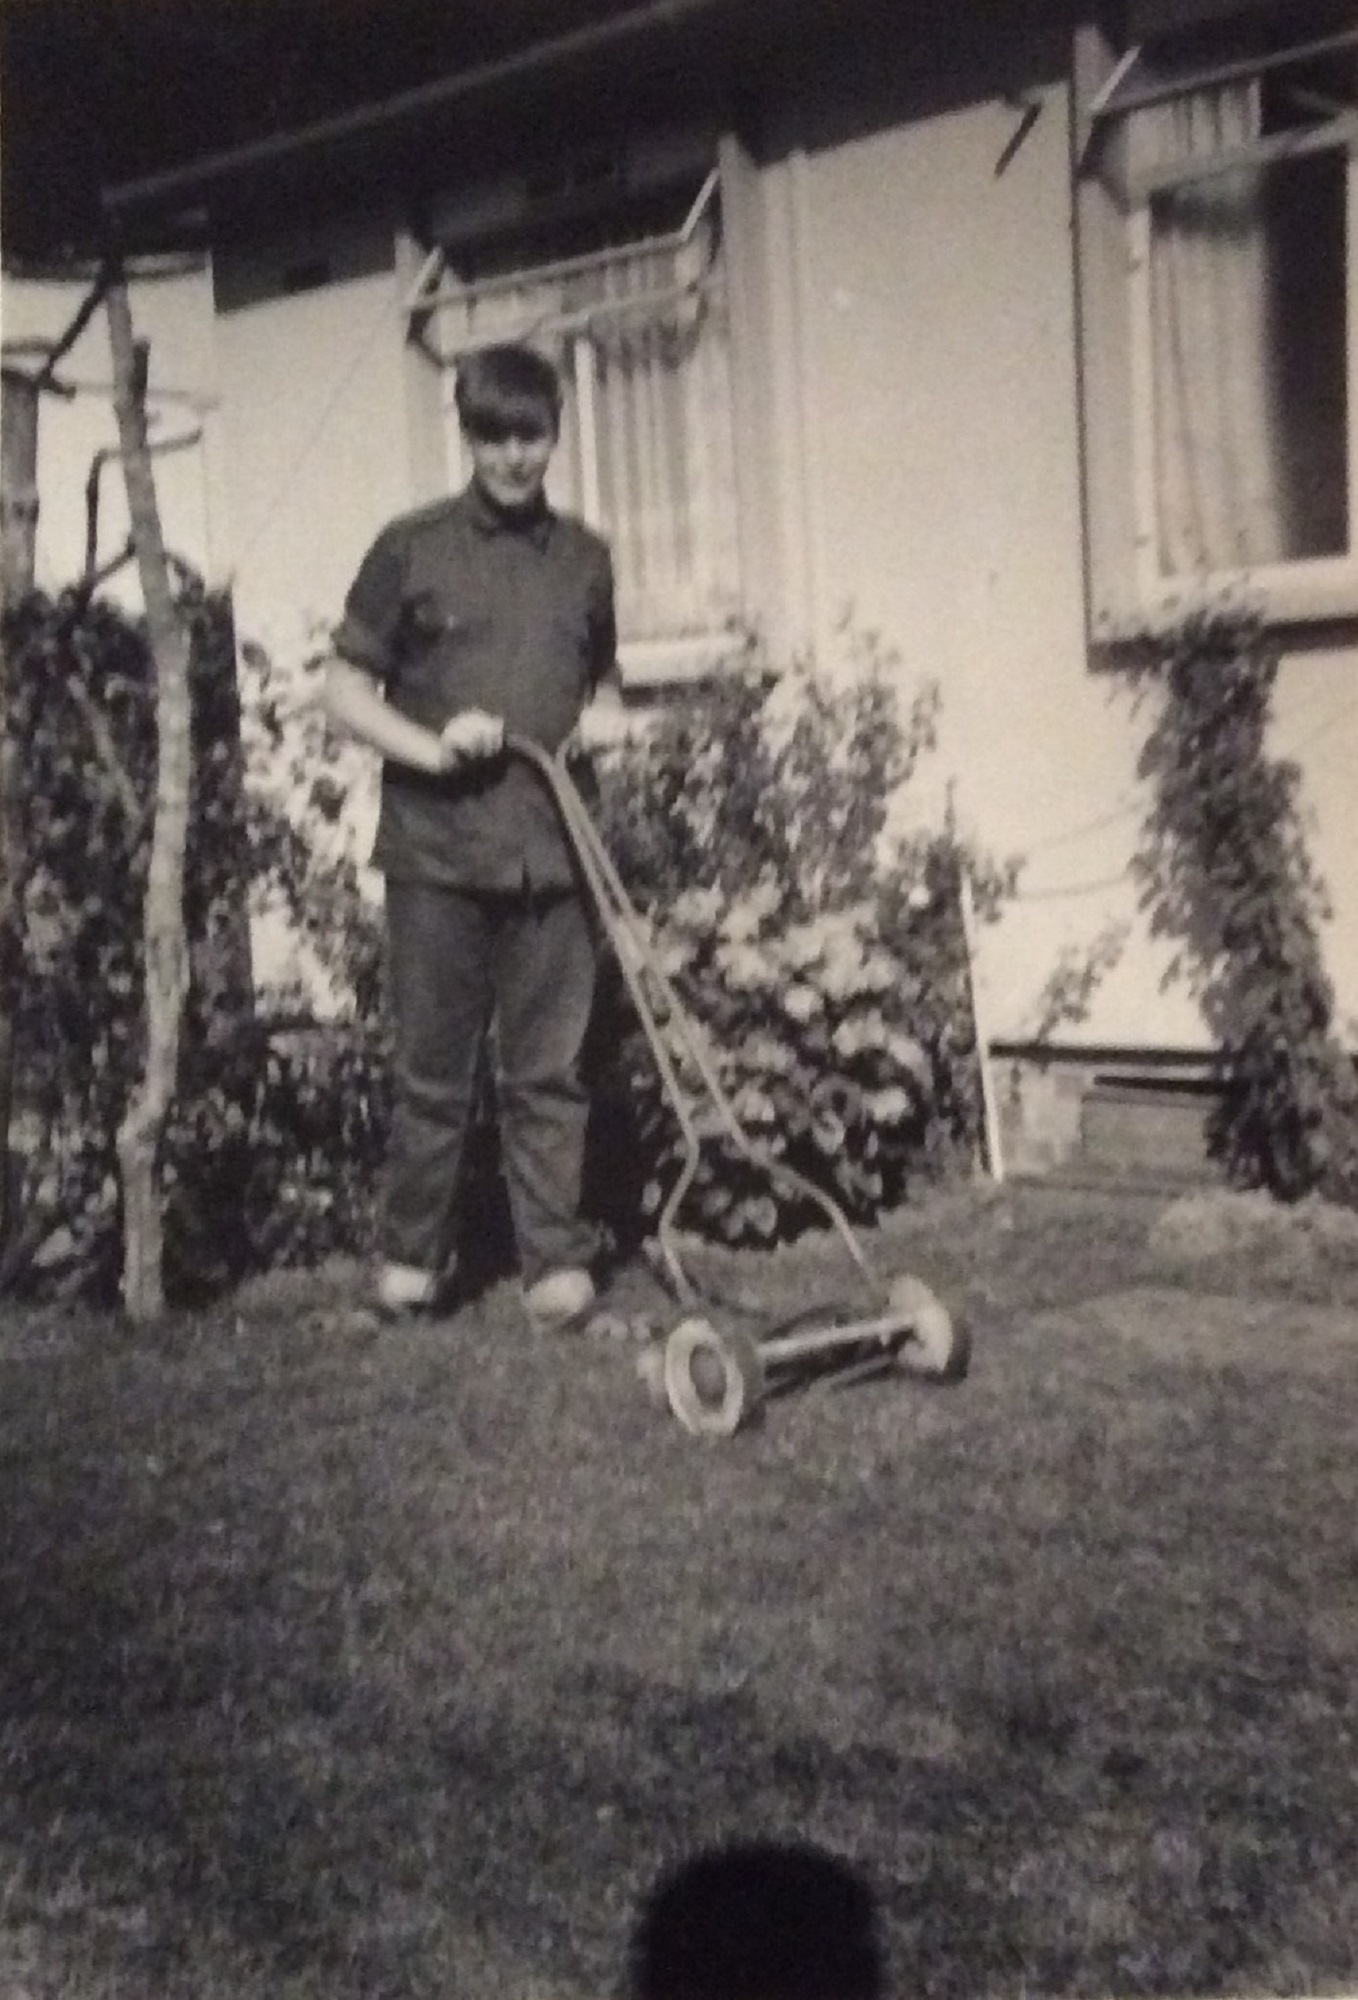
point(654, 661)
point(1305, 591)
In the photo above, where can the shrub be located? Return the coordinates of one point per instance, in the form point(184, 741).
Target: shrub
point(270, 1149)
point(273, 1152)
point(303, 859)
point(823, 955)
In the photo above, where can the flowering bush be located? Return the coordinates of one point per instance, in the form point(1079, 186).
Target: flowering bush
point(822, 954)
point(309, 791)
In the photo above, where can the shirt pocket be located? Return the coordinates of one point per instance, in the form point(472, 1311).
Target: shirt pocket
point(429, 621)
point(440, 657)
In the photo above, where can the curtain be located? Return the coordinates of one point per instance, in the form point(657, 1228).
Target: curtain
point(1216, 438)
point(662, 399)
point(1248, 335)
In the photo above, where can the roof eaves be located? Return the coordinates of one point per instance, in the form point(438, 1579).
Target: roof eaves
point(177, 187)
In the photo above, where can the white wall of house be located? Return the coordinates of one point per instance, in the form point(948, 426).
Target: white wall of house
point(1317, 724)
point(311, 398)
point(938, 368)
point(312, 391)
point(945, 468)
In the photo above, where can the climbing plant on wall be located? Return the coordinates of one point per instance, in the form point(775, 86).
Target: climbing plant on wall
point(1227, 876)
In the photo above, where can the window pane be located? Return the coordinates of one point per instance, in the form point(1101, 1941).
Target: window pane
point(665, 443)
point(1249, 311)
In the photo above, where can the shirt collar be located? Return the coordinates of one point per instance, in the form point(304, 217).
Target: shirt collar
point(535, 523)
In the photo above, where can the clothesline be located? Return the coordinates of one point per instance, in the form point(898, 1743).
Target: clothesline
point(1063, 891)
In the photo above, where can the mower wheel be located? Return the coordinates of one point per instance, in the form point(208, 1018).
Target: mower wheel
point(937, 1346)
point(714, 1381)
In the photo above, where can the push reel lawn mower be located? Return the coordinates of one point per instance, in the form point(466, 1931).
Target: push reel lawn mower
point(714, 1374)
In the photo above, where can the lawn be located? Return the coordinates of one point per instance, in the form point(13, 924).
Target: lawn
point(356, 1663)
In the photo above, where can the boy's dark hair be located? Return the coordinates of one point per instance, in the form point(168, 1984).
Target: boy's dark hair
point(762, 1921)
point(507, 390)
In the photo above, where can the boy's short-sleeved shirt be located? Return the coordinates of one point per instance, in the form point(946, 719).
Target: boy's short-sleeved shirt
point(459, 606)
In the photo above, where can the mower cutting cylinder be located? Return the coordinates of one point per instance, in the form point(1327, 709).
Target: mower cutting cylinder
point(715, 1379)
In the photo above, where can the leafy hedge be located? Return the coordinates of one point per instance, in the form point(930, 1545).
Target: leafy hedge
point(824, 955)
point(820, 945)
point(274, 1142)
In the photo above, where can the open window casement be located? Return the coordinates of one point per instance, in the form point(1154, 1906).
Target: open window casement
point(639, 331)
point(1217, 245)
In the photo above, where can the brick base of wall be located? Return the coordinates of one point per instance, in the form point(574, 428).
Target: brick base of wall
point(1105, 1115)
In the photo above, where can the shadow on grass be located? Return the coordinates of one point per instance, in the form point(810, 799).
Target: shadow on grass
point(759, 1921)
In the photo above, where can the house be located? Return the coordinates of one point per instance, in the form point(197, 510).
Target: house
point(1005, 329)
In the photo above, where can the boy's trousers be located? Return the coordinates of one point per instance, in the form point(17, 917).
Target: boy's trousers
point(457, 958)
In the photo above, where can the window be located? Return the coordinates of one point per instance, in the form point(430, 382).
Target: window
point(638, 325)
point(1217, 216)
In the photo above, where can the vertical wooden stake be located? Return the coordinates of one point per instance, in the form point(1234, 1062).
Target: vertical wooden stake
point(990, 1112)
point(165, 947)
point(18, 479)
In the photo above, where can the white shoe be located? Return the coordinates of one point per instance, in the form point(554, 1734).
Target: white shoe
point(560, 1296)
point(404, 1288)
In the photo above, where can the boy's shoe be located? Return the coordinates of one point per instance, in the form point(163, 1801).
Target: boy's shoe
point(559, 1298)
point(403, 1289)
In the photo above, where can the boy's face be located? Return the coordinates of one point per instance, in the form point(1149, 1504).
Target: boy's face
point(511, 468)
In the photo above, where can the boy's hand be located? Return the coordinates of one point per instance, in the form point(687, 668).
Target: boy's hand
point(470, 738)
point(604, 724)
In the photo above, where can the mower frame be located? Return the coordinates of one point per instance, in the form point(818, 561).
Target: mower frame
point(714, 1379)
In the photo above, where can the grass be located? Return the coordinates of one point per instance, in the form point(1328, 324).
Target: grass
point(337, 1662)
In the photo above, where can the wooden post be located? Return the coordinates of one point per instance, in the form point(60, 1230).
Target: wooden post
point(990, 1117)
point(19, 401)
point(165, 948)
point(18, 480)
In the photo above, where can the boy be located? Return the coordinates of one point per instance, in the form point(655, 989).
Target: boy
point(479, 615)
